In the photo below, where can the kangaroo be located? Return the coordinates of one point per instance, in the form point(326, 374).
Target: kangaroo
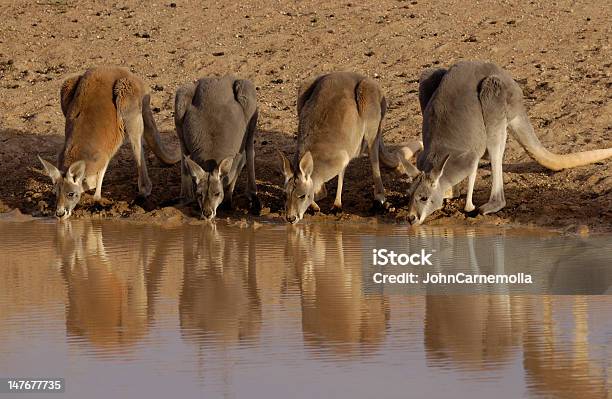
point(215, 121)
point(101, 106)
point(340, 115)
point(466, 110)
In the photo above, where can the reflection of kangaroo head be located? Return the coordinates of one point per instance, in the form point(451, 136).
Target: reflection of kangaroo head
point(219, 295)
point(106, 298)
point(473, 331)
point(335, 309)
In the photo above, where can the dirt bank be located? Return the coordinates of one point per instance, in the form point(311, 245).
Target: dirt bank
point(560, 55)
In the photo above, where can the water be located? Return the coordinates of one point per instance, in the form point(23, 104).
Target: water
point(125, 310)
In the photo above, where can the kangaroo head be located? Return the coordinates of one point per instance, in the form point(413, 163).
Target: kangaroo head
point(209, 185)
point(426, 193)
point(299, 187)
point(68, 186)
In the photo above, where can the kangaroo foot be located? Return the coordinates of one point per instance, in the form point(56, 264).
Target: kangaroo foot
point(101, 201)
point(336, 209)
point(255, 207)
point(144, 202)
point(379, 207)
point(492, 207)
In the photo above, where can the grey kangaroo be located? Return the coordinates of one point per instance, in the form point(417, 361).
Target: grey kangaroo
point(466, 110)
point(101, 107)
point(340, 115)
point(215, 121)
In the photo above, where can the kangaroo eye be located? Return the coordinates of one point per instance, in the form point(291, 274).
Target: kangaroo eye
point(302, 196)
point(424, 198)
point(217, 194)
point(71, 194)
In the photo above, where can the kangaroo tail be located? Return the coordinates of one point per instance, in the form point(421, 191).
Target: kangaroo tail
point(524, 133)
point(151, 135)
point(400, 158)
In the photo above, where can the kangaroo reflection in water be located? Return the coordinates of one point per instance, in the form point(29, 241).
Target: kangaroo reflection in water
point(474, 331)
point(219, 298)
point(479, 332)
point(110, 293)
point(563, 368)
point(336, 312)
point(111, 275)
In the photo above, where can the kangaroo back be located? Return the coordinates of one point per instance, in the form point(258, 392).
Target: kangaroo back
point(93, 128)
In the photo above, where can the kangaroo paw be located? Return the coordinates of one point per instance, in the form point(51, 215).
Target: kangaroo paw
point(144, 202)
point(469, 207)
point(102, 201)
point(336, 209)
point(492, 207)
point(380, 207)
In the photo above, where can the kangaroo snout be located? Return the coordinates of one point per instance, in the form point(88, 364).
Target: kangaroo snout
point(62, 214)
point(208, 214)
point(292, 219)
point(414, 219)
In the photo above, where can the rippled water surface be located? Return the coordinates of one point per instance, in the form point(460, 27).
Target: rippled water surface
point(124, 310)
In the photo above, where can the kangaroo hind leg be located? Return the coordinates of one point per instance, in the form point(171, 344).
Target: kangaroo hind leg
point(372, 107)
point(493, 102)
point(182, 101)
point(238, 164)
point(129, 106)
point(337, 207)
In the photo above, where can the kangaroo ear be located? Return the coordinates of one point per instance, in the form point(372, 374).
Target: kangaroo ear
point(437, 170)
point(285, 166)
point(76, 172)
point(306, 165)
point(51, 170)
point(225, 166)
point(197, 173)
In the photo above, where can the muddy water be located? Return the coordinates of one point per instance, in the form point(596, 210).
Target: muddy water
point(127, 310)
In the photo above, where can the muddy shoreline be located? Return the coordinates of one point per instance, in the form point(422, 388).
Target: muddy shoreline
point(565, 74)
point(32, 193)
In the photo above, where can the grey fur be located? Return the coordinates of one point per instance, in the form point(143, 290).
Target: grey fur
point(215, 119)
point(466, 110)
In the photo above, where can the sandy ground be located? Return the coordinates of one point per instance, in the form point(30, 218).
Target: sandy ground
point(560, 54)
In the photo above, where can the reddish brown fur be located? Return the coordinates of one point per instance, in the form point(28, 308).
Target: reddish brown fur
point(94, 131)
